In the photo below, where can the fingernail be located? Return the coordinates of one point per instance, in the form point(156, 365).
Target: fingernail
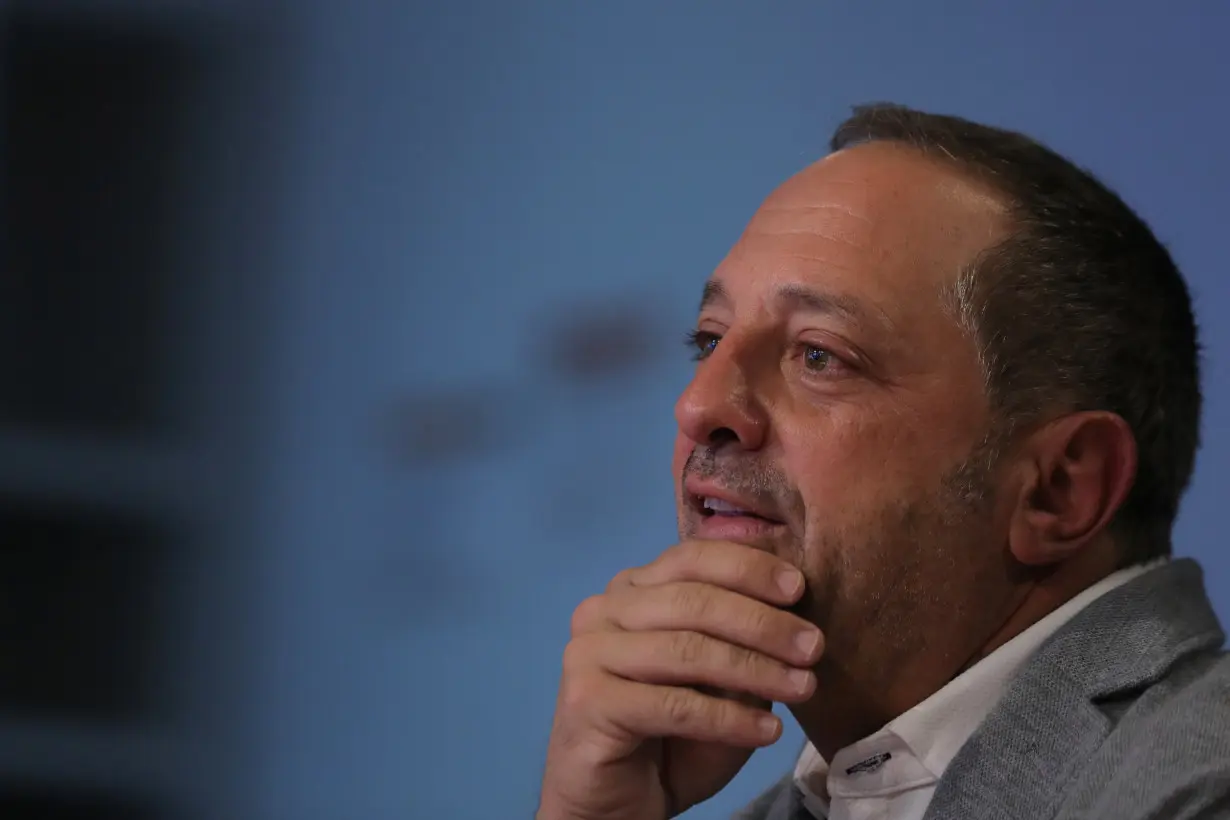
point(768, 726)
point(800, 679)
point(807, 641)
point(790, 580)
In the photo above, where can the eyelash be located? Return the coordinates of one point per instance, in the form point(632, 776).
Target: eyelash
point(699, 340)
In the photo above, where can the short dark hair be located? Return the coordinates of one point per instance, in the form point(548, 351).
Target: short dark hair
point(1079, 308)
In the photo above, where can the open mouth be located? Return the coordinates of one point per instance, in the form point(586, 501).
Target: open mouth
point(710, 507)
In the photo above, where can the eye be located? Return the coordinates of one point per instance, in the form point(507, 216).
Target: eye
point(821, 362)
point(817, 358)
point(702, 343)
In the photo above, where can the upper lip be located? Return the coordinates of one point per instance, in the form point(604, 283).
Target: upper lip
point(697, 491)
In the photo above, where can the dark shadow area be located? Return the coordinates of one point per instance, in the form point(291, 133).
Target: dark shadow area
point(103, 182)
point(94, 112)
point(33, 803)
point(79, 615)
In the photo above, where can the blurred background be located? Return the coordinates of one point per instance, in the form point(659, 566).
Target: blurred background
point(338, 347)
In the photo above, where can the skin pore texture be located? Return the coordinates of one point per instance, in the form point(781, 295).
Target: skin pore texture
point(837, 393)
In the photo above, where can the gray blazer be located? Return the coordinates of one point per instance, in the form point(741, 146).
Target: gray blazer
point(1123, 714)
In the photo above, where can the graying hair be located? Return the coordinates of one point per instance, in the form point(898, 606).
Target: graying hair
point(1080, 308)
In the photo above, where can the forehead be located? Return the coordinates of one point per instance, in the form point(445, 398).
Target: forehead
point(879, 223)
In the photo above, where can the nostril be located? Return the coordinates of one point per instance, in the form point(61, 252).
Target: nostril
point(723, 435)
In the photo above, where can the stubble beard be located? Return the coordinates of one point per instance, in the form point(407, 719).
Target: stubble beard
point(877, 585)
point(887, 589)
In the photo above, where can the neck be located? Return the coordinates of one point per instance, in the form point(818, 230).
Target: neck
point(1050, 589)
point(853, 703)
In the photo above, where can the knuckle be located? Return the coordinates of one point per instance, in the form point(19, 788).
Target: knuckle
point(681, 557)
point(759, 622)
point(622, 578)
point(688, 648)
point(692, 553)
point(744, 659)
point(576, 692)
point(691, 603)
point(587, 614)
point(680, 706)
point(728, 715)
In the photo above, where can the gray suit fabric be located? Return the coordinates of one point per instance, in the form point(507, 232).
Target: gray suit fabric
point(1123, 714)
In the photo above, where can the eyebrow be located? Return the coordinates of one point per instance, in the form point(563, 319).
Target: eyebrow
point(801, 298)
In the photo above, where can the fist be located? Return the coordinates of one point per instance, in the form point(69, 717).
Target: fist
point(669, 679)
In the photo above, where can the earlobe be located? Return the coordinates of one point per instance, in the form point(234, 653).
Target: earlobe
point(1078, 471)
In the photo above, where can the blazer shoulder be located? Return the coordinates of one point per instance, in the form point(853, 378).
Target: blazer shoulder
point(1195, 697)
point(1168, 754)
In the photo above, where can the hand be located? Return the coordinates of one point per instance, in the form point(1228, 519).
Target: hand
point(639, 732)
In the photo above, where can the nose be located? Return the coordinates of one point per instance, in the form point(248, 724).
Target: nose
point(719, 406)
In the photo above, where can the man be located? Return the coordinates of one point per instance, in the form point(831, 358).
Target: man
point(946, 404)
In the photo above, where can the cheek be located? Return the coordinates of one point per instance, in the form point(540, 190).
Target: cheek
point(848, 461)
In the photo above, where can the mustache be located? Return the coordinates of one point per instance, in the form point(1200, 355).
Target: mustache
point(746, 475)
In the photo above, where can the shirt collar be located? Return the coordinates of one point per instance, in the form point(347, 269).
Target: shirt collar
point(921, 742)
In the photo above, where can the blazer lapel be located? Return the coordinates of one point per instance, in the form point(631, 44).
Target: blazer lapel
point(1048, 723)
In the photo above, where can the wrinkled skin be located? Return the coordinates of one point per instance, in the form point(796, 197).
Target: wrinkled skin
point(869, 450)
point(838, 409)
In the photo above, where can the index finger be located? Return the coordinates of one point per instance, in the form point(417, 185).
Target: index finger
point(737, 567)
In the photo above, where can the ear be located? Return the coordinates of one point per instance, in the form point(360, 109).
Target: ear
point(1077, 473)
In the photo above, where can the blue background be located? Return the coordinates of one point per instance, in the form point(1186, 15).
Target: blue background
point(475, 169)
point(417, 213)
point(560, 156)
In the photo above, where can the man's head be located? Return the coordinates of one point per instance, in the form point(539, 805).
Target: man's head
point(946, 366)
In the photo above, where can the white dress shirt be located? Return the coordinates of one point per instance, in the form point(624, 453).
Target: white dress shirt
point(892, 774)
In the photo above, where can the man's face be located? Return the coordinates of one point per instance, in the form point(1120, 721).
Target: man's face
point(840, 401)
